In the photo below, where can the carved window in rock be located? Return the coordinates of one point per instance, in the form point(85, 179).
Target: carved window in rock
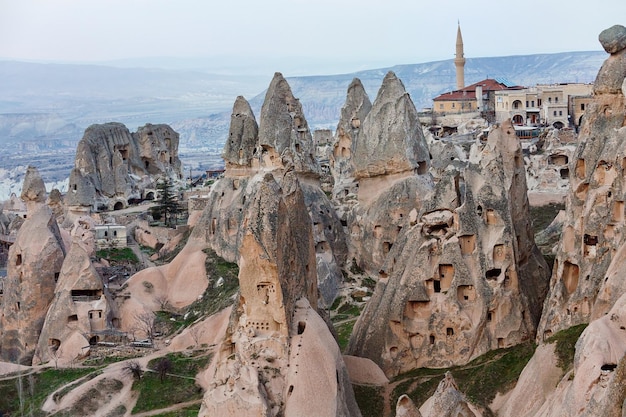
point(618, 211)
point(580, 169)
point(446, 275)
point(213, 225)
point(387, 247)
point(266, 290)
point(466, 293)
point(85, 295)
point(570, 276)
point(123, 153)
point(96, 320)
point(72, 318)
point(54, 344)
point(18, 259)
point(467, 244)
point(589, 247)
point(261, 325)
point(491, 217)
point(499, 253)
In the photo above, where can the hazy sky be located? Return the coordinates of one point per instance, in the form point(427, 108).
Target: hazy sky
point(310, 36)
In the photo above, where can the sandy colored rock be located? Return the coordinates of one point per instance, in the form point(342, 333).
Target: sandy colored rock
point(364, 371)
point(381, 171)
point(406, 408)
point(464, 276)
point(277, 349)
point(33, 265)
point(290, 148)
point(448, 401)
point(113, 165)
point(594, 216)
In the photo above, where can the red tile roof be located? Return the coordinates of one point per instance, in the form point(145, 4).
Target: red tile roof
point(469, 92)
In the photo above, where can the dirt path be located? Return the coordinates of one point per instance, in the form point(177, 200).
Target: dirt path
point(174, 407)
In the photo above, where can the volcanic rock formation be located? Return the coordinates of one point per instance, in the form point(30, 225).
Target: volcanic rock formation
point(593, 231)
point(381, 165)
point(448, 401)
point(81, 311)
point(282, 142)
point(464, 276)
point(278, 350)
point(33, 268)
point(113, 165)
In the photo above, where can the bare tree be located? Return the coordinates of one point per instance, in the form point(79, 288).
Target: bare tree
point(196, 333)
point(144, 323)
point(163, 366)
point(133, 368)
point(162, 300)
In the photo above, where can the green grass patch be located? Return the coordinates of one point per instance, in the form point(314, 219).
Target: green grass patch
point(542, 216)
point(566, 345)
point(215, 298)
point(346, 311)
point(167, 258)
point(178, 385)
point(344, 331)
point(34, 389)
point(370, 400)
point(480, 380)
point(191, 411)
point(118, 255)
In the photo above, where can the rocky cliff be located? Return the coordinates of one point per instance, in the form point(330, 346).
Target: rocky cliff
point(380, 165)
point(33, 269)
point(113, 165)
point(594, 221)
point(281, 142)
point(464, 275)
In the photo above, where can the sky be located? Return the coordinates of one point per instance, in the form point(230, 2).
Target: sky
point(306, 37)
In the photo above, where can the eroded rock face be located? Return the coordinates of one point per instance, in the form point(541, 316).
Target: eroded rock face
point(448, 401)
point(33, 266)
point(464, 276)
point(81, 310)
point(596, 384)
point(594, 222)
point(392, 140)
point(284, 144)
point(381, 169)
point(114, 165)
point(284, 136)
point(406, 408)
point(278, 350)
point(240, 148)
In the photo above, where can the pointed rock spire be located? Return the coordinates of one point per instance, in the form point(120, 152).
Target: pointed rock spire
point(242, 136)
point(284, 134)
point(392, 141)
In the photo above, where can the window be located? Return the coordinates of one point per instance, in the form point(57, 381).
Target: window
point(555, 112)
point(538, 102)
point(526, 103)
point(532, 103)
point(556, 99)
point(441, 106)
point(582, 106)
point(453, 105)
point(560, 112)
point(549, 99)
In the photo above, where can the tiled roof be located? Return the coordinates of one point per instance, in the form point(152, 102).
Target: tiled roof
point(469, 92)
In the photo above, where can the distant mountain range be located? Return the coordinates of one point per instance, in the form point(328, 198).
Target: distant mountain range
point(47, 106)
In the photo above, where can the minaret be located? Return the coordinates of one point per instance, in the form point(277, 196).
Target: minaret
point(459, 61)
